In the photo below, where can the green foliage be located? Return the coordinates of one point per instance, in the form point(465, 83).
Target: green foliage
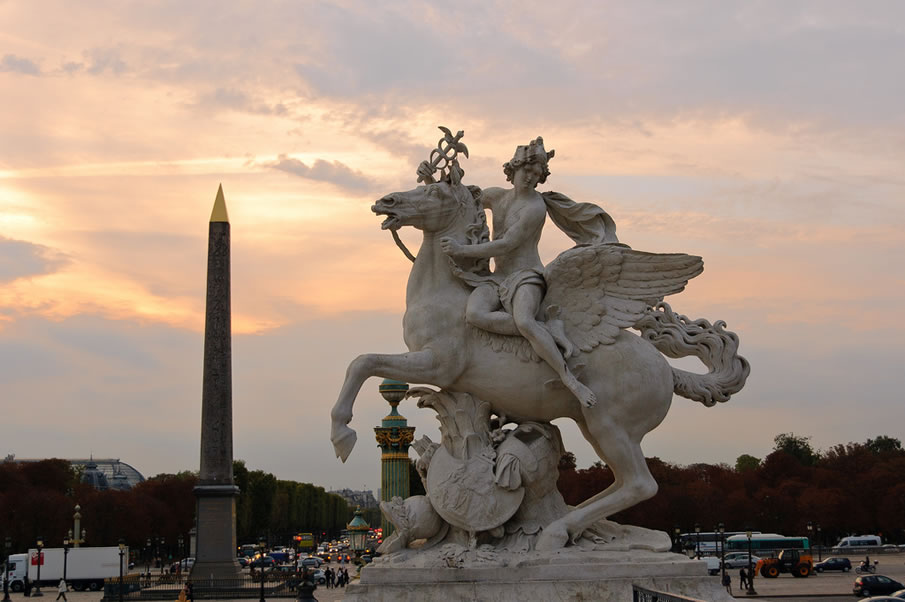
point(850, 488)
point(38, 498)
point(884, 445)
point(796, 446)
point(746, 462)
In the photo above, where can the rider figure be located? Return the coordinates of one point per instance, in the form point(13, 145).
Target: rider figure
point(509, 304)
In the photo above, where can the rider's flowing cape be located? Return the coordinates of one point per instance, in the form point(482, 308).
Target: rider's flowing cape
point(585, 223)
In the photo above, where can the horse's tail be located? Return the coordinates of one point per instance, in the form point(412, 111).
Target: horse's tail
point(676, 336)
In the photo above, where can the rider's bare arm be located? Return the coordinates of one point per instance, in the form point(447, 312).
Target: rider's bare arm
point(490, 195)
point(522, 231)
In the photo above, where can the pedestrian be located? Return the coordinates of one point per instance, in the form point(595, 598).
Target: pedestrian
point(345, 577)
point(61, 590)
point(727, 583)
point(743, 579)
point(27, 587)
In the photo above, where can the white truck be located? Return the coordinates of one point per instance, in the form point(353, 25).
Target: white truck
point(86, 568)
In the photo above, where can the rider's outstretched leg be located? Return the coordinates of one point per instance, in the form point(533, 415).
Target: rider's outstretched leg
point(524, 310)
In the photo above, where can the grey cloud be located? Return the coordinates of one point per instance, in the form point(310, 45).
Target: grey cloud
point(237, 100)
point(21, 259)
point(334, 172)
point(17, 64)
point(106, 59)
point(71, 67)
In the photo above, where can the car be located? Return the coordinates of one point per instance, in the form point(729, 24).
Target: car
point(899, 594)
point(834, 563)
point(866, 585)
point(264, 561)
point(243, 561)
point(318, 576)
point(311, 562)
point(183, 566)
point(739, 560)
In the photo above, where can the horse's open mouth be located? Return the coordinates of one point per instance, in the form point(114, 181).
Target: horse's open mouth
point(392, 220)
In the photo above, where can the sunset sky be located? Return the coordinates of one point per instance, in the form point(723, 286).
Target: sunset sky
point(767, 137)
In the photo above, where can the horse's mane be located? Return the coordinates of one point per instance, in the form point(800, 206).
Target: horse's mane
point(469, 197)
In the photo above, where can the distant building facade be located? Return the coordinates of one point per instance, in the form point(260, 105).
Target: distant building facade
point(365, 499)
point(100, 473)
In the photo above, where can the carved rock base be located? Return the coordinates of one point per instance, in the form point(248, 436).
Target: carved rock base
point(567, 575)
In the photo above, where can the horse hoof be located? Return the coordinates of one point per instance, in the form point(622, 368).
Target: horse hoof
point(343, 440)
point(553, 537)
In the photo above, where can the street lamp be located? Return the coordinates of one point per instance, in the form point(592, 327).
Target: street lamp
point(819, 544)
point(262, 546)
point(67, 541)
point(122, 552)
point(810, 527)
point(358, 532)
point(7, 546)
point(722, 529)
point(697, 540)
point(751, 591)
point(40, 560)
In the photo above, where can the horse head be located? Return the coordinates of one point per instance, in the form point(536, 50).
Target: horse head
point(440, 207)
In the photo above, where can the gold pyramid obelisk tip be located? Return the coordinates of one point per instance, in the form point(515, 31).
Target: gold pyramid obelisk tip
point(219, 213)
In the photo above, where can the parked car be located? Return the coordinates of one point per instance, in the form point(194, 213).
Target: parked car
point(738, 560)
point(243, 561)
point(318, 576)
point(867, 585)
point(834, 563)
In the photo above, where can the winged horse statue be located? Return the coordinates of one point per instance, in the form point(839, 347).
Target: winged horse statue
point(598, 292)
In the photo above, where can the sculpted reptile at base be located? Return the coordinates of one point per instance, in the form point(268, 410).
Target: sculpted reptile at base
point(526, 344)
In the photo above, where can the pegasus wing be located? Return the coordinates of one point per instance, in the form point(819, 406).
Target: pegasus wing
point(601, 289)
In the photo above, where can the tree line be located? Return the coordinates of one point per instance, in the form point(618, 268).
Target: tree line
point(853, 488)
point(37, 499)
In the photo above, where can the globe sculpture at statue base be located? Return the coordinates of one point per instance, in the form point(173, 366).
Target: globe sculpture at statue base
point(506, 352)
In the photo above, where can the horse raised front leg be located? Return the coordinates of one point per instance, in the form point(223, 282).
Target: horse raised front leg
point(418, 367)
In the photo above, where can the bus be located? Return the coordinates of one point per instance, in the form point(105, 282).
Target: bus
point(765, 544)
point(707, 542)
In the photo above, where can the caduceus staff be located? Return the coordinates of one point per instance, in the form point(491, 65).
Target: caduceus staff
point(442, 154)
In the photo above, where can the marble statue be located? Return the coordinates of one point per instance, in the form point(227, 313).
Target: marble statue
point(508, 350)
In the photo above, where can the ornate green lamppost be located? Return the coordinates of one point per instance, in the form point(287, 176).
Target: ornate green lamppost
point(358, 532)
point(394, 437)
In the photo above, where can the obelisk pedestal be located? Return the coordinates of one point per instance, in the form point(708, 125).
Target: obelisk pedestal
point(216, 492)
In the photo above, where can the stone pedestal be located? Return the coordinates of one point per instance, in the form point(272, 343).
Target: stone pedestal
point(569, 575)
point(216, 533)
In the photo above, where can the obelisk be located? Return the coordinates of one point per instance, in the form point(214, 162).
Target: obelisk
point(216, 492)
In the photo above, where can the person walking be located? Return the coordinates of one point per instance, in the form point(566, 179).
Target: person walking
point(743, 579)
point(727, 583)
point(61, 590)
